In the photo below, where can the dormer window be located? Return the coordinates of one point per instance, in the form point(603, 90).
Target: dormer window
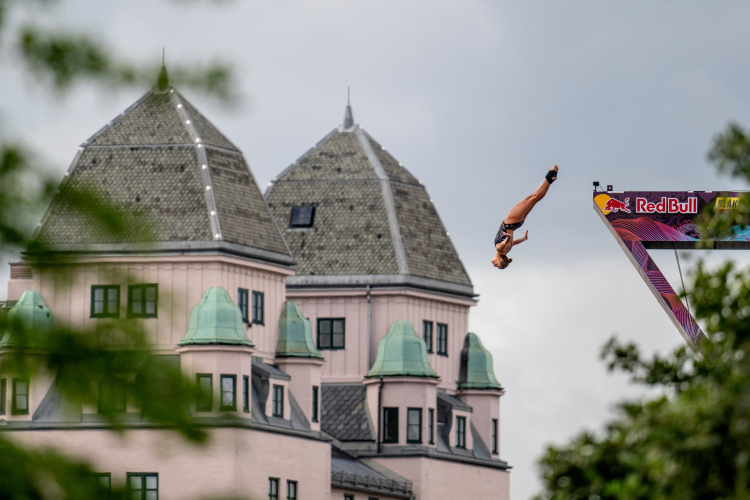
point(302, 216)
point(331, 333)
point(390, 425)
point(105, 301)
point(142, 301)
point(20, 404)
point(460, 432)
point(278, 401)
point(3, 396)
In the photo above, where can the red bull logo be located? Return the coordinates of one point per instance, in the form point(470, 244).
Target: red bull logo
point(609, 204)
point(666, 206)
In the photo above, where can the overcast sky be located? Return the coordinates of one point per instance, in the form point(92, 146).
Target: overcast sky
point(477, 99)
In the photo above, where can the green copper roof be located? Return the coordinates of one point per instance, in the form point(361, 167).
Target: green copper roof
point(476, 370)
point(295, 334)
point(402, 352)
point(29, 316)
point(216, 320)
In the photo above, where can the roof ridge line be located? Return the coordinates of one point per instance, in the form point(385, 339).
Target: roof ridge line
point(200, 151)
point(115, 119)
point(390, 208)
point(208, 122)
point(304, 155)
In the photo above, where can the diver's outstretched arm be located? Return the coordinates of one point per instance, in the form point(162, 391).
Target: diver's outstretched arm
point(521, 239)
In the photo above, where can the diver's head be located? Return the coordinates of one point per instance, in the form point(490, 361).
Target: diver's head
point(501, 261)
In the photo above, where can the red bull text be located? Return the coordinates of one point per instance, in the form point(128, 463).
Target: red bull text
point(666, 206)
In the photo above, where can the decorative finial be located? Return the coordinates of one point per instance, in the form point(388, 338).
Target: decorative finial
point(162, 83)
point(348, 116)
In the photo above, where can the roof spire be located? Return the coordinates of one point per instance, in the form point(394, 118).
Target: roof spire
point(162, 83)
point(348, 117)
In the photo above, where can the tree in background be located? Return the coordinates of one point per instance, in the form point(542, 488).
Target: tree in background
point(693, 440)
point(60, 60)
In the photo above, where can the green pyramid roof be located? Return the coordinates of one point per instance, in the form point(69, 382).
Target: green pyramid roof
point(29, 316)
point(402, 353)
point(216, 320)
point(295, 334)
point(476, 370)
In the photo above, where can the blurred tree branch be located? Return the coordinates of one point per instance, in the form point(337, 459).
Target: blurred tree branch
point(81, 359)
point(730, 153)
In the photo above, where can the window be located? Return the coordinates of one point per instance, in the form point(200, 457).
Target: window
point(414, 425)
point(142, 301)
point(105, 301)
point(278, 401)
point(273, 488)
point(431, 425)
point(205, 392)
point(3, 396)
point(112, 395)
point(494, 436)
point(460, 432)
point(20, 401)
point(242, 304)
point(390, 425)
point(143, 486)
point(427, 334)
point(442, 339)
point(291, 490)
point(246, 394)
point(315, 403)
point(302, 216)
point(228, 400)
point(348, 496)
point(331, 333)
point(258, 308)
point(103, 480)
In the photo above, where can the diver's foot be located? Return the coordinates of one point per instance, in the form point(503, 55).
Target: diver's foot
point(552, 174)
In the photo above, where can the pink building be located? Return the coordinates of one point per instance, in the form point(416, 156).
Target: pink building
point(330, 318)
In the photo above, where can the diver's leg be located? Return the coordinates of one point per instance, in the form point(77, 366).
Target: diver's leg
point(521, 209)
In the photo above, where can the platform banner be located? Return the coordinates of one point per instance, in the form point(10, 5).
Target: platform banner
point(667, 219)
point(642, 220)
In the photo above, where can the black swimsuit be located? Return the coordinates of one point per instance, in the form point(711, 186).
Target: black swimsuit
point(500, 237)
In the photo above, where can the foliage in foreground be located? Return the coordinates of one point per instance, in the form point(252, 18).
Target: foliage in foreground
point(79, 360)
point(692, 441)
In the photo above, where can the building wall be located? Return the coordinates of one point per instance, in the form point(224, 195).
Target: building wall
point(218, 361)
point(351, 364)
point(305, 374)
point(39, 384)
point(486, 405)
point(440, 479)
point(403, 393)
point(234, 462)
point(182, 281)
point(453, 435)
